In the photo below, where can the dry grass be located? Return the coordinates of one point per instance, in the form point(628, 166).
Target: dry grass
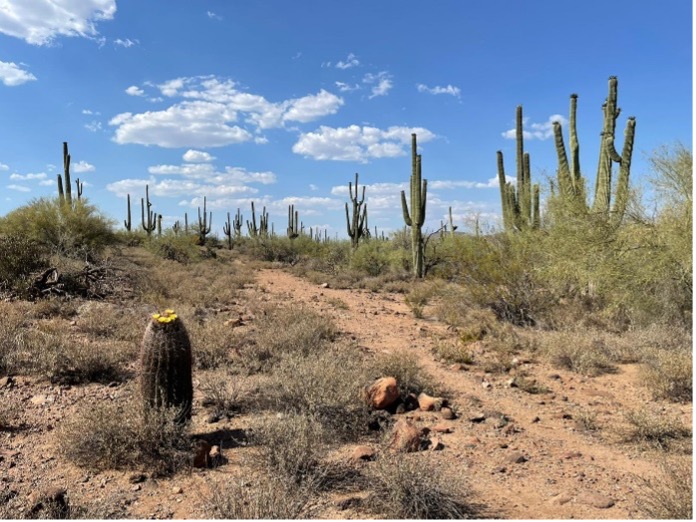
point(409, 375)
point(421, 294)
point(120, 436)
point(669, 374)
point(259, 499)
point(669, 495)
point(406, 487)
point(580, 352)
point(226, 393)
point(453, 352)
point(656, 429)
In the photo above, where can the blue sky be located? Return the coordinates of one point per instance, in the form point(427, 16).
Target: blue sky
point(282, 102)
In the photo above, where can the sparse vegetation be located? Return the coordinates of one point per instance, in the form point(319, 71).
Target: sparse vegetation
point(669, 495)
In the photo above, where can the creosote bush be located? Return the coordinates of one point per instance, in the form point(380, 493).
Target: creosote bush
point(669, 495)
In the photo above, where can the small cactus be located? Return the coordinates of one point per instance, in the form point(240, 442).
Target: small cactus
point(165, 366)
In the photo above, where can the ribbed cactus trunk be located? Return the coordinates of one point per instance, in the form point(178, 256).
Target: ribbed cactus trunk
point(165, 366)
point(356, 223)
point(127, 222)
point(415, 220)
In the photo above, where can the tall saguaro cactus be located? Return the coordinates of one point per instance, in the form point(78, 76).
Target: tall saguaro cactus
point(415, 220)
point(293, 231)
point(228, 230)
point(356, 224)
point(520, 203)
point(204, 223)
point(127, 222)
point(151, 223)
point(571, 184)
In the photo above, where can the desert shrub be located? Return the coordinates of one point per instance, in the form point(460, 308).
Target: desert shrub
point(260, 499)
point(655, 428)
point(669, 374)
point(420, 294)
point(453, 352)
point(407, 488)
point(108, 321)
point(225, 393)
point(327, 386)
point(409, 375)
point(670, 494)
point(77, 230)
point(180, 248)
point(117, 435)
point(213, 342)
point(581, 352)
point(19, 258)
point(292, 448)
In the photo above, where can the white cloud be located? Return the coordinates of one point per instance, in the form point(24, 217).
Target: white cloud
point(135, 91)
point(90, 112)
point(27, 177)
point(355, 143)
point(450, 184)
point(12, 75)
point(127, 42)
point(208, 106)
point(93, 126)
point(313, 187)
point(449, 89)
point(197, 156)
point(4, 167)
point(345, 87)
point(82, 166)
point(19, 188)
point(214, 16)
point(539, 131)
point(381, 83)
point(39, 22)
point(351, 61)
point(47, 182)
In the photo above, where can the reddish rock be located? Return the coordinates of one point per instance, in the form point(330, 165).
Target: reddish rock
point(442, 428)
point(363, 453)
point(405, 437)
point(596, 500)
point(202, 456)
point(428, 403)
point(382, 393)
point(447, 413)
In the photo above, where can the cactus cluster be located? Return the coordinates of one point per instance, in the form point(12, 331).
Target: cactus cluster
point(571, 184)
point(165, 366)
point(415, 220)
point(356, 223)
point(520, 202)
point(293, 218)
point(262, 229)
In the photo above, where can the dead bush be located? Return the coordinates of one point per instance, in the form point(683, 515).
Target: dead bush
point(225, 393)
point(656, 429)
point(405, 487)
point(579, 352)
point(264, 498)
point(669, 374)
point(670, 494)
point(118, 435)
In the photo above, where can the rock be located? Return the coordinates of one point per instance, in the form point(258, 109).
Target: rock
point(486, 385)
point(53, 500)
point(561, 498)
point(213, 418)
point(324, 285)
point(442, 428)
point(515, 362)
point(382, 393)
point(436, 444)
point(596, 500)
point(447, 414)
point(363, 453)
point(478, 417)
point(457, 367)
point(405, 437)
point(572, 455)
point(6, 381)
point(38, 400)
point(516, 458)
point(471, 442)
point(177, 490)
point(535, 420)
point(202, 456)
point(137, 478)
point(137, 487)
point(428, 403)
point(511, 383)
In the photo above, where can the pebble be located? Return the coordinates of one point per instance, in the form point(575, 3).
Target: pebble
point(177, 490)
point(447, 413)
point(516, 458)
point(596, 500)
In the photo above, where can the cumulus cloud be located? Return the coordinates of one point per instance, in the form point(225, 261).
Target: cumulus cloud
point(351, 61)
point(4, 167)
point(27, 177)
point(355, 143)
point(134, 90)
point(197, 156)
point(449, 89)
point(127, 42)
point(539, 131)
point(381, 83)
point(19, 188)
point(12, 74)
point(213, 113)
point(346, 87)
point(82, 166)
point(39, 22)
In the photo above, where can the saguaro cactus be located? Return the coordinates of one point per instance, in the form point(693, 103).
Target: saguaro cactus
point(204, 223)
point(355, 224)
point(452, 226)
point(262, 229)
point(520, 206)
point(227, 229)
point(165, 366)
point(415, 220)
point(292, 229)
point(127, 222)
point(65, 196)
point(151, 223)
point(571, 184)
point(238, 224)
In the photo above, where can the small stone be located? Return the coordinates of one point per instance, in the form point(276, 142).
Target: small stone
point(442, 428)
point(405, 437)
point(572, 455)
point(456, 367)
point(137, 478)
point(516, 458)
point(555, 377)
point(363, 453)
point(596, 500)
point(428, 403)
point(486, 385)
point(561, 499)
point(478, 418)
point(213, 418)
point(6, 381)
point(324, 285)
point(137, 487)
point(471, 442)
point(447, 413)
point(38, 400)
point(535, 420)
point(511, 383)
point(177, 490)
point(515, 362)
point(436, 444)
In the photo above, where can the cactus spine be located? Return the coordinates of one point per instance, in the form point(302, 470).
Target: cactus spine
point(165, 366)
point(204, 223)
point(356, 224)
point(520, 207)
point(415, 220)
point(127, 222)
point(151, 223)
point(571, 184)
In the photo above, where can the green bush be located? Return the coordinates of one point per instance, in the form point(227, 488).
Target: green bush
point(74, 231)
point(19, 258)
point(375, 258)
point(181, 248)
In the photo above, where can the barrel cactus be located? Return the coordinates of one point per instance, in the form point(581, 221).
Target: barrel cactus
point(165, 363)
